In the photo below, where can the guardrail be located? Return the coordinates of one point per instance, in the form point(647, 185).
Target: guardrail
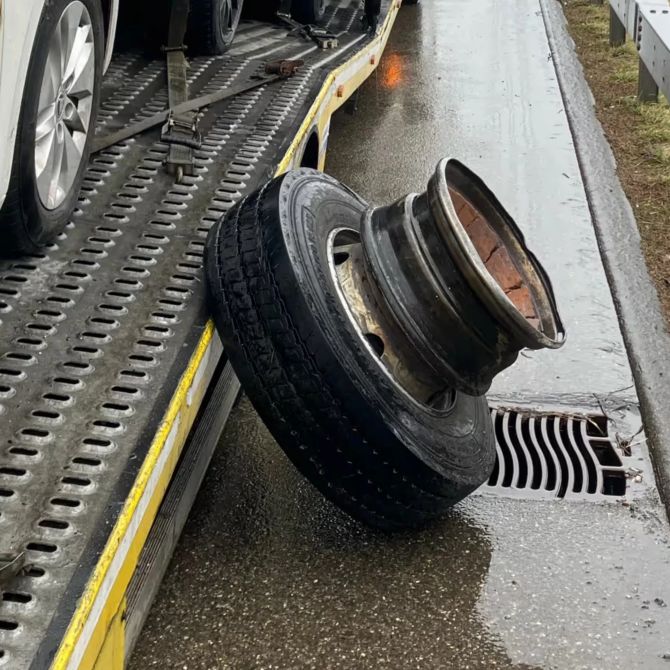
point(647, 22)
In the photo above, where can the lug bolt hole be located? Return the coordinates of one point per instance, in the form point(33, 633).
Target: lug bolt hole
point(376, 343)
point(340, 257)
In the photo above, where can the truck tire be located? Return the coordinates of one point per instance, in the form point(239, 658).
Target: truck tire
point(212, 25)
point(308, 11)
point(367, 446)
point(47, 171)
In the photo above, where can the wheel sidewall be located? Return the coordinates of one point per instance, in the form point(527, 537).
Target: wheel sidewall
point(43, 224)
point(458, 445)
point(224, 35)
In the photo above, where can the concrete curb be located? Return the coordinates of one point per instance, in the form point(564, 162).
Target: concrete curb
point(635, 299)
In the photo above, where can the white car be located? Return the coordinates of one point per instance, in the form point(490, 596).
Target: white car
point(52, 57)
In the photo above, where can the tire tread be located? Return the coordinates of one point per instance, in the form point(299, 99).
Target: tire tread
point(278, 369)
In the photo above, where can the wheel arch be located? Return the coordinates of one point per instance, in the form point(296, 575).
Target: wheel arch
point(311, 151)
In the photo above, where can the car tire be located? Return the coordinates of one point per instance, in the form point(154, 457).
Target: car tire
point(368, 447)
point(27, 222)
point(308, 11)
point(212, 25)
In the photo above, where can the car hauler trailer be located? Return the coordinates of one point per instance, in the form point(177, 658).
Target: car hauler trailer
point(114, 387)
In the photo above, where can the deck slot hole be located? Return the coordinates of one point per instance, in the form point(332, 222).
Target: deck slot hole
point(102, 321)
point(103, 423)
point(30, 341)
point(93, 335)
point(34, 572)
point(10, 372)
point(140, 358)
point(24, 358)
point(76, 365)
point(126, 390)
point(91, 462)
point(23, 451)
point(65, 502)
point(67, 381)
point(42, 547)
point(164, 315)
point(57, 397)
point(14, 597)
point(41, 327)
point(149, 343)
point(133, 283)
point(97, 442)
point(45, 414)
point(116, 407)
point(34, 432)
point(136, 271)
point(76, 481)
point(55, 524)
point(138, 374)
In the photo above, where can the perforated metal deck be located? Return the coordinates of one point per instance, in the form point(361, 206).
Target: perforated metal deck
point(97, 331)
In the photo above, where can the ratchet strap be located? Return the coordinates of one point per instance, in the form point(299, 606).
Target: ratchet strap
point(273, 72)
point(181, 128)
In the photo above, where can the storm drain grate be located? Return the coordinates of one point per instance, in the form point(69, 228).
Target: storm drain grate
point(556, 455)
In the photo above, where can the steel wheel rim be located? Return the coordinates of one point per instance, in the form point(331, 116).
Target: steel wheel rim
point(65, 105)
point(438, 400)
point(226, 15)
point(229, 13)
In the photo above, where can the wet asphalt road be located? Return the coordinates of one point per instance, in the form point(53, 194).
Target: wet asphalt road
point(268, 575)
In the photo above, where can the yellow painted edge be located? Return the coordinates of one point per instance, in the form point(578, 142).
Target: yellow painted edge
point(177, 402)
point(88, 598)
point(113, 650)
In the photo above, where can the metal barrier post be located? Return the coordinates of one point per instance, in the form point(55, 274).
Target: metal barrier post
point(647, 89)
point(617, 29)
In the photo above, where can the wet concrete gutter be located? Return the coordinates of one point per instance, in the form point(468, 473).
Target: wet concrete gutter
point(635, 298)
